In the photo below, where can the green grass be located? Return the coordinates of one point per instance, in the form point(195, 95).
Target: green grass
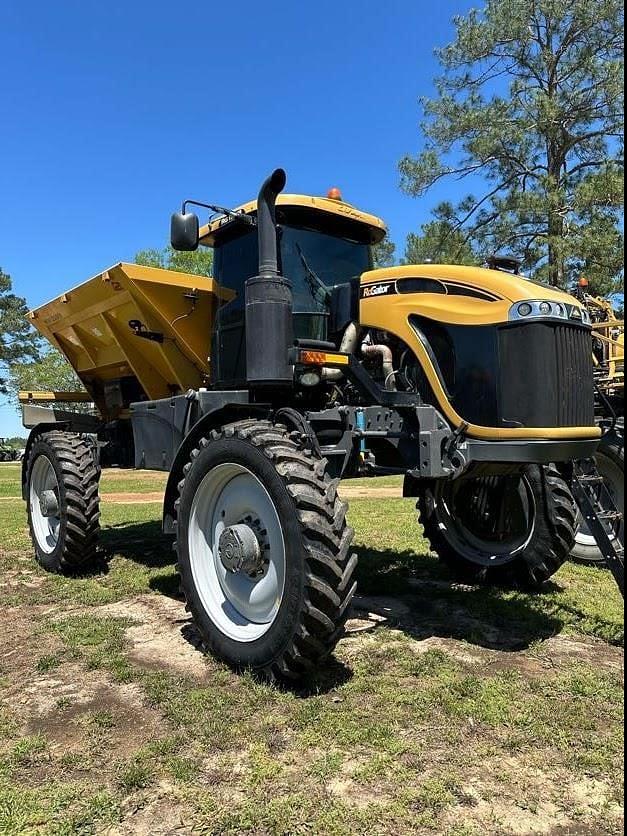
point(112, 481)
point(128, 481)
point(388, 738)
point(10, 480)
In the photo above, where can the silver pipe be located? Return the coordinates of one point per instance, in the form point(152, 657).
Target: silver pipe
point(387, 361)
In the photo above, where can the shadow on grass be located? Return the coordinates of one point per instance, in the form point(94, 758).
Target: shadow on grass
point(144, 543)
point(417, 594)
point(413, 592)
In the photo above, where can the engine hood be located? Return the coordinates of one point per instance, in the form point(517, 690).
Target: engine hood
point(501, 285)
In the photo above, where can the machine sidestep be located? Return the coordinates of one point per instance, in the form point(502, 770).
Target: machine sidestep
point(599, 510)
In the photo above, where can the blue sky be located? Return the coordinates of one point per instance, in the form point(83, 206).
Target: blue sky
point(111, 113)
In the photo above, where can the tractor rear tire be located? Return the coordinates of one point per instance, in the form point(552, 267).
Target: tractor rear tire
point(610, 461)
point(264, 550)
point(513, 531)
point(63, 501)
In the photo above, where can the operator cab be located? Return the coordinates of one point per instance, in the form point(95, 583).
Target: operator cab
point(324, 246)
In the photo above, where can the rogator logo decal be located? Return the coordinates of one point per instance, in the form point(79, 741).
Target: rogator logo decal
point(380, 289)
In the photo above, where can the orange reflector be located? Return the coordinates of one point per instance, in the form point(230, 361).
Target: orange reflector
point(322, 358)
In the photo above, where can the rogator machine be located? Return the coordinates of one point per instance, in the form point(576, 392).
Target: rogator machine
point(297, 365)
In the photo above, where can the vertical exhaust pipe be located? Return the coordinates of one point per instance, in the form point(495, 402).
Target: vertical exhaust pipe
point(269, 326)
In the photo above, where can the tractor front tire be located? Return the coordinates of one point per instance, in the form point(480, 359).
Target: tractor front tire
point(264, 550)
point(62, 484)
point(512, 531)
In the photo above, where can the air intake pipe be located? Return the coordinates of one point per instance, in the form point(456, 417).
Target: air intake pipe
point(269, 325)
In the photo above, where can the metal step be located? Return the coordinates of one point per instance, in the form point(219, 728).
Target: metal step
point(591, 480)
point(610, 516)
point(588, 488)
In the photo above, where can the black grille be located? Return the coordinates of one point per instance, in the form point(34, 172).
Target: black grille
point(574, 363)
point(545, 375)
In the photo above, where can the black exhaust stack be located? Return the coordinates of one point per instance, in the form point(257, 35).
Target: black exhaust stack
point(269, 327)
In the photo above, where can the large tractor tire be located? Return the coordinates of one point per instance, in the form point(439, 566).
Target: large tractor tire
point(63, 501)
point(610, 461)
point(264, 550)
point(507, 530)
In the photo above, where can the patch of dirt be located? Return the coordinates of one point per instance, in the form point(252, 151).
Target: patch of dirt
point(162, 636)
point(64, 703)
point(154, 813)
point(535, 802)
point(345, 786)
point(16, 579)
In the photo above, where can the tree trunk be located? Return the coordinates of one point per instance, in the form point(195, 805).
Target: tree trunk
point(557, 271)
point(555, 227)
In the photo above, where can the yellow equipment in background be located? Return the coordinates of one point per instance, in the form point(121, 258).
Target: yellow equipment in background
point(608, 345)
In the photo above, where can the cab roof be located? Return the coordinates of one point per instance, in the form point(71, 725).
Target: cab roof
point(301, 204)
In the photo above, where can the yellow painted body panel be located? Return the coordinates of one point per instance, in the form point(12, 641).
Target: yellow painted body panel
point(511, 288)
point(90, 326)
point(321, 204)
point(391, 313)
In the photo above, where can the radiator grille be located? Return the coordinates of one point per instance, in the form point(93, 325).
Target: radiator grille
point(545, 375)
point(574, 365)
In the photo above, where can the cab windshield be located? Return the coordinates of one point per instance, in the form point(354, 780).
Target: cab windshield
point(313, 261)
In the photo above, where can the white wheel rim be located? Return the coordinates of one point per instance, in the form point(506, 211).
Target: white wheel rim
point(45, 528)
point(241, 607)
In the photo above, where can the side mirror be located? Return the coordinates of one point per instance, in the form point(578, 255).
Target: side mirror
point(184, 231)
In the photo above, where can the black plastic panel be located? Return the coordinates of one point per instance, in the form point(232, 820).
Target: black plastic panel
point(546, 375)
point(531, 374)
point(158, 430)
point(466, 359)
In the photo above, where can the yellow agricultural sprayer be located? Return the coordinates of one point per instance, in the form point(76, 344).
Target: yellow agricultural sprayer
point(298, 365)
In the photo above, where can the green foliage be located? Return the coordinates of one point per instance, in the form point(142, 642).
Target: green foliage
point(383, 254)
point(16, 442)
point(440, 242)
point(200, 262)
point(48, 372)
point(18, 341)
point(530, 104)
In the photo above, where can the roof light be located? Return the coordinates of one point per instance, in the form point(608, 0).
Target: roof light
point(583, 282)
point(334, 193)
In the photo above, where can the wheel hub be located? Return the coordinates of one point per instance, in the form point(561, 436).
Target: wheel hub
point(49, 504)
point(240, 551)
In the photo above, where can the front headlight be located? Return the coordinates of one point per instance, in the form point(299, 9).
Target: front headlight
point(543, 309)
